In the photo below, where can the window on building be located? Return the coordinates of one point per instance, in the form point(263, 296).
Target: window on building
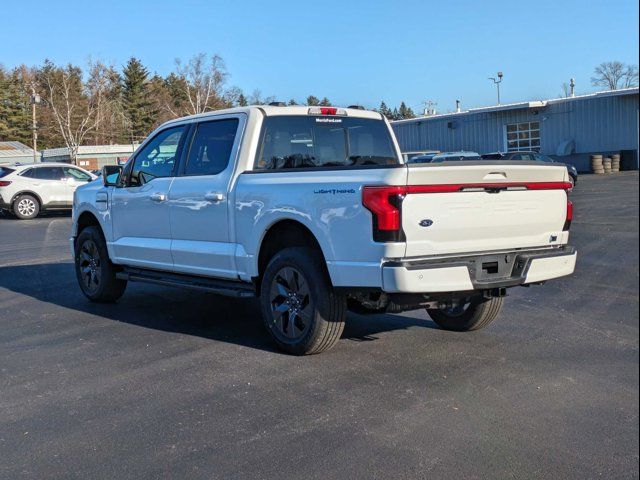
point(523, 136)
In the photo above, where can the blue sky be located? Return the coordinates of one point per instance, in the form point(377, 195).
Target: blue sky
point(350, 51)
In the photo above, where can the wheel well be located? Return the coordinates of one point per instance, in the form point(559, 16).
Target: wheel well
point(27, 192)
point(285, 234)
point(87, 219)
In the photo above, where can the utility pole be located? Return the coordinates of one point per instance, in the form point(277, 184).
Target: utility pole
point(497, 83)
point(34, 100)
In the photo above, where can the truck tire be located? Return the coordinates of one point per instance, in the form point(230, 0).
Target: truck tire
point(94, 271)
point(475, 314)
point(26, 207)
point(300, 308)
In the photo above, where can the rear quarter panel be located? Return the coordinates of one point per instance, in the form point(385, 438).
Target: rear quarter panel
point(329, 204)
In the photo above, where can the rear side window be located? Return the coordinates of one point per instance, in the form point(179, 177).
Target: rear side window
point(45, 173)
point(4, 171)
point(211, 147)
point(323, 142)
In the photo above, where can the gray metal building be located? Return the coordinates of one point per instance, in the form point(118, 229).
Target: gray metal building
point(568, 129)
point(12, 152)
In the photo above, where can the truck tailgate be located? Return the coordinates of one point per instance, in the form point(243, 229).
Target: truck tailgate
point(473, 207)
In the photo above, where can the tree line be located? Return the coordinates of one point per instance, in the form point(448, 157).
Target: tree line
point(99, 104)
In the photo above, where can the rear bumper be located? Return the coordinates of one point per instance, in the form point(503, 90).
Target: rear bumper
point(478, 272)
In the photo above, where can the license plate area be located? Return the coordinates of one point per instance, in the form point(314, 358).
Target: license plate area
point(492, 267)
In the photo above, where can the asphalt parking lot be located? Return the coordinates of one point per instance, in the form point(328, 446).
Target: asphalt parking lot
point(178, 384)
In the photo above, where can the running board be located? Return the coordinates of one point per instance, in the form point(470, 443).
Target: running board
point(229, 288)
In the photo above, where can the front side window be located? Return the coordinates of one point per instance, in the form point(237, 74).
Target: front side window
point(77, 175)
point(312, 142)
point(523, 136)
point(45, 173)
point(158, 157)
point(211, 147)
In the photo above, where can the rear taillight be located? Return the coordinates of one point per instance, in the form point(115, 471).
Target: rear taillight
point(4, 183)
point(567, 222)
point(385, 205)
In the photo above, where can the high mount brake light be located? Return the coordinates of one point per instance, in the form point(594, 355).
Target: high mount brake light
point(327, 111)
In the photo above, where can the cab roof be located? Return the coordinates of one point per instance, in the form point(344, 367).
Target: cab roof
point(272, 111)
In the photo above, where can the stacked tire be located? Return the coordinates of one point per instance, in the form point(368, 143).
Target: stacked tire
point(615, 163)
point(606, 164)
point(597, 165)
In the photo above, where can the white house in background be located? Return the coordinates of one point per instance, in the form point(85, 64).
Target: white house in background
point(12, 152)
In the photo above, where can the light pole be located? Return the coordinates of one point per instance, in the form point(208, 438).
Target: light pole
point(497, 82)
point(34, 100)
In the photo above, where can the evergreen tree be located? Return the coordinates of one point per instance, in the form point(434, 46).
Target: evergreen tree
point(325, 102)
point(395, 115)
point(293, 102)
point(312, 101)
point(177, 97)
point(15, 119)
point(242, 100)
point(384, 110)
point(136, 102)
point(405, 112)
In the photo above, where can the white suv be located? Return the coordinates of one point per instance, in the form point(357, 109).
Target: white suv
point(27, 190)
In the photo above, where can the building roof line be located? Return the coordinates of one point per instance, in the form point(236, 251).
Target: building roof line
point(523, 105)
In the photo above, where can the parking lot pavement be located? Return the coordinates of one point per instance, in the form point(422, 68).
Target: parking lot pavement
point(178, 384)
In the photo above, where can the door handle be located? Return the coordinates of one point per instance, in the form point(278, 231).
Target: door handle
point(158, 197)
point(214, 197)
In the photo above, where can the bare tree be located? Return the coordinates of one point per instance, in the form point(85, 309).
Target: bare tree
point(77, 107)
point(203, 81)
point(631, 76)
point(614, 75)
point(256, 98)
point(566, 90)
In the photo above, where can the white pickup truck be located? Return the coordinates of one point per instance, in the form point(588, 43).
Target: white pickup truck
point(313, 210)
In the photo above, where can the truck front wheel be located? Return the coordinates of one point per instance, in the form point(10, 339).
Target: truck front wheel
point(95, 273)
point(472, 313)
point(300, 308)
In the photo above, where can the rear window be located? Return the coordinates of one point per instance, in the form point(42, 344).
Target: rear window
point(4, 171)
point(324, 142)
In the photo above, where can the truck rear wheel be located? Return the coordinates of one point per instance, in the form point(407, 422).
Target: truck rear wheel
point(300, 308)
point(94, 271)
point(473, 314)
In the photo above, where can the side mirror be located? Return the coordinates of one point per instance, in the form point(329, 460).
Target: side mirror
point(111, 175)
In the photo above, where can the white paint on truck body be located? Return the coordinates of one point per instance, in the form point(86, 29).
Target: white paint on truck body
point(189, 231)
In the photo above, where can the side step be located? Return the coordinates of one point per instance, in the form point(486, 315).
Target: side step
point(229, 288)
